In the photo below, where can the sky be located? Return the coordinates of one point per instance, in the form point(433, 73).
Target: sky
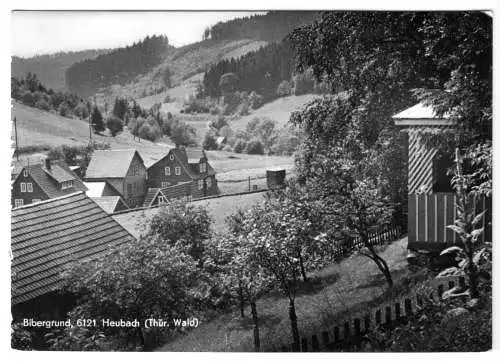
point(50, 32)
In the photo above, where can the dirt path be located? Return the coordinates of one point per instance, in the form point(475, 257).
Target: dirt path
point(336, 288)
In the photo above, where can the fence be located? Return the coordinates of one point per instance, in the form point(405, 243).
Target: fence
point(351, 330)
point(429, 214)
point(376, 238)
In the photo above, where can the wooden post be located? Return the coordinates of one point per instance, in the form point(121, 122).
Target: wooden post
point(15, 132)
point(249, 189)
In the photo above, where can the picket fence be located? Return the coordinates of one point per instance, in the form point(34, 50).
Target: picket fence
point(376, 238)
point(349, 331)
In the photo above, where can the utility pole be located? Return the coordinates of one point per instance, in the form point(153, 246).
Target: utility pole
point(15, 131)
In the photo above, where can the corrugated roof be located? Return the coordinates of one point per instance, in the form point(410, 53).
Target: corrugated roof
point(110, 163)
point(419, 111)
point(48, 183)
point(48, 235)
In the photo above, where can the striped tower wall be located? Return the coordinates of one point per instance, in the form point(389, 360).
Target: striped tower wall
point(429, 213)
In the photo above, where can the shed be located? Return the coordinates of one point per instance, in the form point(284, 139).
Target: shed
point(431, 200)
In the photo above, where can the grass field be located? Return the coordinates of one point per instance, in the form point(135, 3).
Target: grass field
point(338, 288)
point(279, 110)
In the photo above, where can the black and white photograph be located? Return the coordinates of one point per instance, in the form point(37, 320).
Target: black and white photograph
point(275, 180)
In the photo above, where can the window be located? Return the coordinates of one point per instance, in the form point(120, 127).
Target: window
point(161, 199)
point(177, 170)
point(171, 156)
point(203, 167)
point(30, 187)
point(200, 184)
point(135, 187)
point(167, 170)
point(209, 182)
point(129, 188)
point(23, 187)
point(25, 172)
point(164, 184)
point(18, 203)
point(67, 184)
point(35, 200)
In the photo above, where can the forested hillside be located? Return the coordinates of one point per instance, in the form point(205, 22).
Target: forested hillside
point(51, 68)
point(272, 27)
point(119, 66)
point(260, 71)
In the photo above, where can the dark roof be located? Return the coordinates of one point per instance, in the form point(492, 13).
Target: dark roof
point(110, 163)
point(110, 203)
point(48, 235)
point(49, 180)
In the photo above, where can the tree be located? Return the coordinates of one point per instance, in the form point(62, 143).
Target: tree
point(97, 120)
point(114, 125)
point(138, 280)
point(184, 224)
point(232, 261)
point(228, 82)
point(284, 89)
point(182, 134)
point(81, 111)
point(167, 78)
point(255, 147)
point(120, 108)
point(262, 128)
point(209, 141)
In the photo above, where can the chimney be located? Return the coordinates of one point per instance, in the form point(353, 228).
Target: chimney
point(48, 165)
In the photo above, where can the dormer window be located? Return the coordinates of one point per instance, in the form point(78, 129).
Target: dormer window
point(67, 184)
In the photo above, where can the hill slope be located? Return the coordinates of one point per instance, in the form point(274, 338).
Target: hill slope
point(40, 128)
point(51, 68)
point(279, 110)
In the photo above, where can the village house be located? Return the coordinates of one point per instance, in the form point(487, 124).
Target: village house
point(123, 170)
point(46, 180)
point(181, 173)
point(431, 199)
point(46, 237)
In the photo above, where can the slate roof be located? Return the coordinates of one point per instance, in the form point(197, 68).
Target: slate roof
point(110, 163)
point(48, 180)
point(48, 235)
point(109, 203)
point(419, 111)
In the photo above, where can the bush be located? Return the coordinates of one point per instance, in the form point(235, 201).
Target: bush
point(182, 134)
point(149, 132)
point(81, 111)
point(284, 89)
point(209, 141)
point(28, 99)
point(194, 105)
point(255, 147)
point(64, 109)
point(42, 105)
point(255, 100)
point(114, 125)
point(239, 146)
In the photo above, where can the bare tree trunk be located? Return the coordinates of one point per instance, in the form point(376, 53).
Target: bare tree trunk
point(256, 336)
point(141, 337)
point(293, 323)
point(242, 300)
point(382, 265)
point(302, 269)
